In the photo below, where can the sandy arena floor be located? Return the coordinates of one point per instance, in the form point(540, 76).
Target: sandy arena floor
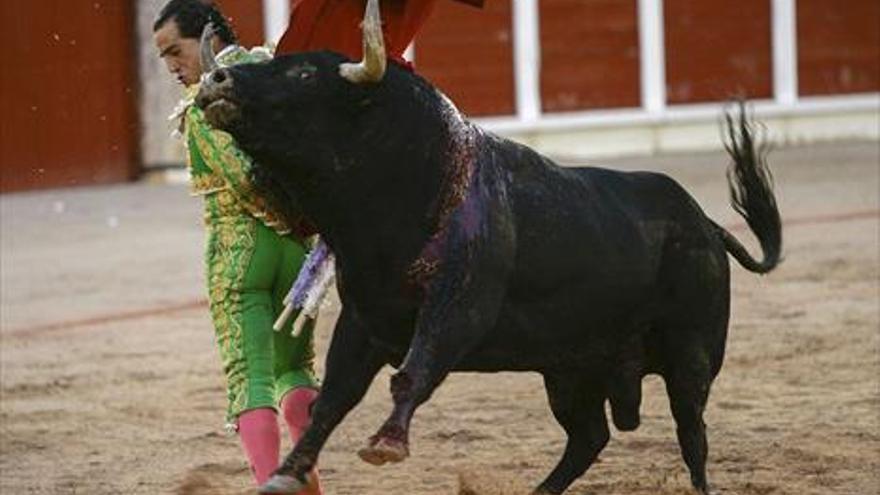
point(111, 384)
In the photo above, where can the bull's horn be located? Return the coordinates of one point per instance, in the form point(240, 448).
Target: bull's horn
point(372, 67)
point(209, 62)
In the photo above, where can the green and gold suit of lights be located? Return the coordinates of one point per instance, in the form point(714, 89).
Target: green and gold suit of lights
point(251, 261)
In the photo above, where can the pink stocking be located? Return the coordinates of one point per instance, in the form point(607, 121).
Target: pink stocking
point(260, 438)
point(295, 409)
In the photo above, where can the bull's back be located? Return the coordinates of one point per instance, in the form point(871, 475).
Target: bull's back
point(589, 249)
point(589, 222)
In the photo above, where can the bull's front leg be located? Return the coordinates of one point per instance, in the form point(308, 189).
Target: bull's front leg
point(352, 363)
point(446, 330)
point(461, 305)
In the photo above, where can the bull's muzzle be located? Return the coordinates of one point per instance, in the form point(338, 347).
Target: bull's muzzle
point(216, 99)
point(215, 93)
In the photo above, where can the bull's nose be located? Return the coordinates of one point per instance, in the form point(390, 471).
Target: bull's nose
point(218, 81)
point(220, 77)
point(215, 85)
point(216, 97)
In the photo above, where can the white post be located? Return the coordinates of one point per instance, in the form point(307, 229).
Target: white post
point(785, 65)
point(527, 59)
point(276, 14)
point(652, 51)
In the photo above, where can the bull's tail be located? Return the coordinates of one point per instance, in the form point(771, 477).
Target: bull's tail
point(751, 194)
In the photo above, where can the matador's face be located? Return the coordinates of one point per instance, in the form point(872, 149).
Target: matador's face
point(181, 55)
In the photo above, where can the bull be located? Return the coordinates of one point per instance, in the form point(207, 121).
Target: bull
point(458, 250)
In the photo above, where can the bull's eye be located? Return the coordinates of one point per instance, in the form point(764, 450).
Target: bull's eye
point(302, 72)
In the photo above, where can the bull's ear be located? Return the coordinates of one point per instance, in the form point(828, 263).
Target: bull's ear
point(372, 68)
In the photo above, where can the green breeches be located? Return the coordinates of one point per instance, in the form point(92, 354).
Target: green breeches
point(250, 268)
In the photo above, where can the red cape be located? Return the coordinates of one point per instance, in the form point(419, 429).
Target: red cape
point(335, 25)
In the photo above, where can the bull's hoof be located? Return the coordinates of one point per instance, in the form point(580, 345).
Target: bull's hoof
point(282, 484)
point(382, 450)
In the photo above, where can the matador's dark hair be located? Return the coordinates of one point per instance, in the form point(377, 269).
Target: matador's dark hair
point(191, 17)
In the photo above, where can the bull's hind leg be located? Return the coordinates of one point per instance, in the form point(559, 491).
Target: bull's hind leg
point(579, 408)
point(688, 391)
point(692, 359)
point(694, 332)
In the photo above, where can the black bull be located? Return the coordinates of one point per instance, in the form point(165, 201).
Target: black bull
point(458, 250)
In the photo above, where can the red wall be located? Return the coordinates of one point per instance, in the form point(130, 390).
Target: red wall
point(718, 49)
point(838, 46)
point(589, 54)
point(468, 54)
point(67, 90)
